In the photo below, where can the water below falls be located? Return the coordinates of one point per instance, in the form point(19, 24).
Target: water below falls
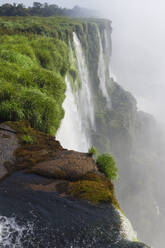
point(12, 234)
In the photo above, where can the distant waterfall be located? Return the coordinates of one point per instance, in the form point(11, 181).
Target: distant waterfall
point(71, 133)
point(102, 70)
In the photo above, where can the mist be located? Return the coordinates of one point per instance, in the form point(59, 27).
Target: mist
point(138, 54)
point(138, 62)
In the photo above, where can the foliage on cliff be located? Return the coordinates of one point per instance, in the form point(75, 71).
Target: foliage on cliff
point(107, 165)
point(32, 80)
point(34, 59)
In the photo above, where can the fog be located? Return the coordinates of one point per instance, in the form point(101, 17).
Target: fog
point(138, 57)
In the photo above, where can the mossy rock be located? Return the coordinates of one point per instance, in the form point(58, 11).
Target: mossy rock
point(93, 188)
point(42, 148)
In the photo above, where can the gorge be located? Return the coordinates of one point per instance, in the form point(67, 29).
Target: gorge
point(71, 56)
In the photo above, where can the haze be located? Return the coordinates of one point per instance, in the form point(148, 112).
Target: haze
point(138, 57)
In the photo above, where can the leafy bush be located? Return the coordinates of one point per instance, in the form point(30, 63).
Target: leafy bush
point(107, 165)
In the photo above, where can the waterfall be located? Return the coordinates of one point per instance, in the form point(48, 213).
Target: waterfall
point(85, 94)
point(71, 133)
point(127, 230)
point(79, 120)
point(102, 70)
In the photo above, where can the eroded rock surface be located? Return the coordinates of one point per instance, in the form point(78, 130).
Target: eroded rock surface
point(70, 204)
point(8, 144)
point(67, 165)
point(52, 221)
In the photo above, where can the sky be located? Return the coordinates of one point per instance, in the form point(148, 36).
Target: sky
point(138, 54)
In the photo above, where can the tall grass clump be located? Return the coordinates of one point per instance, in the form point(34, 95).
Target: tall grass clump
point(32, 79)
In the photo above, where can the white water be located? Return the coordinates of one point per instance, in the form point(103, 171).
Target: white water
point(71, 133)
point(127, 230)
point(85, 98)
point(102, 72)
point(12, 234)
point(79, 108)
point(114, 78)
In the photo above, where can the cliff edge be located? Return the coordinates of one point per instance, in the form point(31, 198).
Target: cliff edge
point(55, 196)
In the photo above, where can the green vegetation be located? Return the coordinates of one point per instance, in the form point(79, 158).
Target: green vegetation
point(107, 165)
point(93, 188)
point(27, 139)
point(39, 9)
point(32, 78)
point(93, 151)
point(35, 146)
point(34, 60)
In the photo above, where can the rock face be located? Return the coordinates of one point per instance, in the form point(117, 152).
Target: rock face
point(8, 144)
point(46, 219)
point(66, 165)
point(69, 204)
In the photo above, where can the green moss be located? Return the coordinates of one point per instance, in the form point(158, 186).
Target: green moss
point(93, 192)
point(93, 188)
point(42, 147)
point(27, 139)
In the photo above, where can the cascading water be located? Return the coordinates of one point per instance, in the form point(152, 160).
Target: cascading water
point(79, 119)
point(71, 133)
point(127, 230)
point(102, 72)
point(85, 94)
point(79, 107)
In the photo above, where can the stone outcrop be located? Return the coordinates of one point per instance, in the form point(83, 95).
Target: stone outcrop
point(8, 144)
point(49, 220)
point(66, 165)
point(57, 191)
point(45, 157)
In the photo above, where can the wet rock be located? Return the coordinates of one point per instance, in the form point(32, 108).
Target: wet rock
point(8, 144)
point(49, 220)
point(69, 197)
point(66, 165)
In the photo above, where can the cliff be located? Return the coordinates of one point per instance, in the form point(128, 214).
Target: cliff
point(39, 59)
point(70, 195)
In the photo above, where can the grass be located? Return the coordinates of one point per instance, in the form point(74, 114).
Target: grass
point(32, 80)
point(34, 60)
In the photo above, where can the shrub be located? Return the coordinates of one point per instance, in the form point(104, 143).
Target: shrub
point(107, 165)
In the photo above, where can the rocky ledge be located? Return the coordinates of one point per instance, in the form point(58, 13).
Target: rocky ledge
point(57, 197)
